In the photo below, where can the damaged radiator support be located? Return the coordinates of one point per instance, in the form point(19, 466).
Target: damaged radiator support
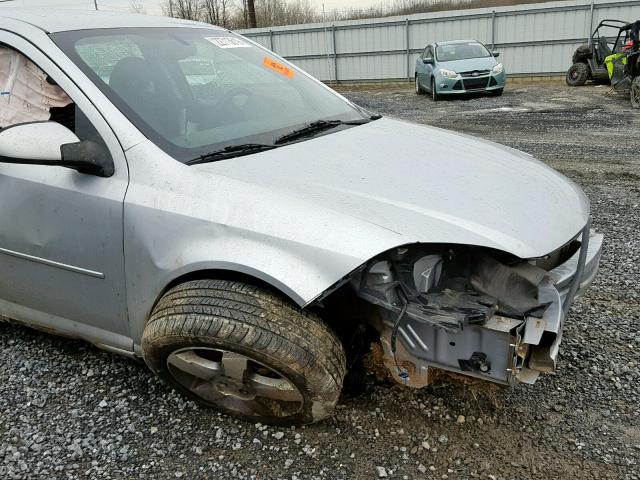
point(497, 322)
point(575, 285)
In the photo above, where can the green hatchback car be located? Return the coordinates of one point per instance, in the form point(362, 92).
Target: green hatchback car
point(460, 66)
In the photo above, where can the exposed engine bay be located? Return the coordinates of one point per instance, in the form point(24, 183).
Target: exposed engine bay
point(469, 310)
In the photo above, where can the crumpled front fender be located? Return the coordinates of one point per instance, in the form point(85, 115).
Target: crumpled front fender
point(299, 271)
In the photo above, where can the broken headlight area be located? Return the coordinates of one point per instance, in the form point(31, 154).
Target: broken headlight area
point(465, 309)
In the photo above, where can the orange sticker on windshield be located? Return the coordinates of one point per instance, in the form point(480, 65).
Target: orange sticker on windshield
point(278, 67)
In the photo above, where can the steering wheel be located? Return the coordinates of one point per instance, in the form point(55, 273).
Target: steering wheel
point(228, 100)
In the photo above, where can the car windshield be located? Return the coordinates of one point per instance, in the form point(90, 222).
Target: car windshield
point(461, 51)
point(194, 91)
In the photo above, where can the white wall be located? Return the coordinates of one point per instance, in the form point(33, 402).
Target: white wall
point(532, 39)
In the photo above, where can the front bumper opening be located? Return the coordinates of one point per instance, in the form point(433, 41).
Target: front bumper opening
point(468, 82)
point(478, 313)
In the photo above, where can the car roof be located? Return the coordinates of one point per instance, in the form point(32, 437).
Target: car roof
point(452, 42)
point(53, 20)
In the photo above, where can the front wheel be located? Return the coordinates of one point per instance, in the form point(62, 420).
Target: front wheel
point(635, 92)
point(245, 351)
point(577, 75)
point(434, 94)
point(497, 92)
point(419, 89)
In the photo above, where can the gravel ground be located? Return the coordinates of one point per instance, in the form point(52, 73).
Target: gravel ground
point(68, 410)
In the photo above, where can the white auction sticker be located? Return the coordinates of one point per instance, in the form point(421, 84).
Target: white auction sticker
point(228, 42)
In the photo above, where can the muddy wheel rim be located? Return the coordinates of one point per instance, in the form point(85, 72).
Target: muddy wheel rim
point(235, 382)
point(635, 93)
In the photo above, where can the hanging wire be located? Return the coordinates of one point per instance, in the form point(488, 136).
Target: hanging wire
point(402, 373)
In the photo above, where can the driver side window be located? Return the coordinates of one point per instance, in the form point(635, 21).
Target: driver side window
point(104, 57)
point(201, 74)
point(28, 94)
point(428, 53)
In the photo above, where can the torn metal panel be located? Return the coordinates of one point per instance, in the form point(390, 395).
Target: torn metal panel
point(533, 330)
point(552, 319)
point(466, 310)
point(502, 324)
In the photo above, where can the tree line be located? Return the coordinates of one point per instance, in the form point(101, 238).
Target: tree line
point(237, 14)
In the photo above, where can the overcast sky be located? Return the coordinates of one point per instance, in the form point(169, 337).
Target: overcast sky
point(152, 6)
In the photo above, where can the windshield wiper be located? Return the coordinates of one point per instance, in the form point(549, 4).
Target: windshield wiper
point(317, 127)
point(249, 148)
point(231, 152)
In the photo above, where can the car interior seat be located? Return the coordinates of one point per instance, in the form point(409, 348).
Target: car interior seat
point(603, 50)
point(147, 91)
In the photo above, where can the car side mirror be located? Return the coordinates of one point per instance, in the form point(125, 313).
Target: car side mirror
point(495, 54)
point(53, 144)
point(427, 61)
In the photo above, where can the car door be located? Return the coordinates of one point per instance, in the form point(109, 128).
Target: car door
point(61, 233)
point(429, 61)
point(421, 67)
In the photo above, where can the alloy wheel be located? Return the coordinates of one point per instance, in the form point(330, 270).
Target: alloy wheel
point(635, 92)
point(235, 382)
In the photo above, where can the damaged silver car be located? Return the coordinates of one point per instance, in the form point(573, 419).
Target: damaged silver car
point(196, 201)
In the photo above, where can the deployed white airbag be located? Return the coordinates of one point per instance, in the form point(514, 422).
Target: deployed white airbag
point(25, 95)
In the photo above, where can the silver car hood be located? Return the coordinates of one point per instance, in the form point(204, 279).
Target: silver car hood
point(425, 185)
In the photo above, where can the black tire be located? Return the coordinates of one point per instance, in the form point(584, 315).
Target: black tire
point(578, 74)
point(498, 92)
point(635, 92)
point(582, 54)
point(250, 322)
point(434, 94)
point(419, 89)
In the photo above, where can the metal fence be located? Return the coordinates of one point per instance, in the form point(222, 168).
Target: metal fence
point(535, 39)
